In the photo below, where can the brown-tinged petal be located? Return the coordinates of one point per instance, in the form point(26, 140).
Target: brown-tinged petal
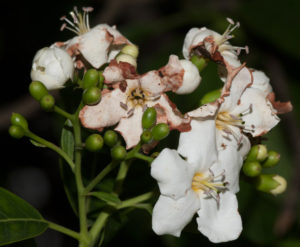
point(131, 127)
point(281, 107)
point(205, 111)
point(106, 113)
point(168, 113)
point(152, 82)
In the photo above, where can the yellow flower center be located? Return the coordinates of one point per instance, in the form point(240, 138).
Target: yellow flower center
point(224, 119)
point(208, 184)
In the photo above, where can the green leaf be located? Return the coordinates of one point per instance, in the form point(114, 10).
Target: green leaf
point(67, 144)
point(111, 199)
point(18, 219)
point(37, 144)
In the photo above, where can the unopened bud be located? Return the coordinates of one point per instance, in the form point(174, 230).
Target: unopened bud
point(252, 168)
point(210, 97)
point(131, 50)
point(258, 153)
point(127, 59)
point(200, 62)
point(18, 120)
point(271, 183)
point(272, 160)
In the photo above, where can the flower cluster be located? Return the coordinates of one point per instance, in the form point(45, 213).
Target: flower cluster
point(202, 175)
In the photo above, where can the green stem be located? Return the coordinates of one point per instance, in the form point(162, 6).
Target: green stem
point(132, 201)
point(53, 147)
point(78, 177)
point(135, 150)
point(100, 176)
point(63, 230)
point(99, 225)
point(63, 113)
point(143, 157)
point(121, 176)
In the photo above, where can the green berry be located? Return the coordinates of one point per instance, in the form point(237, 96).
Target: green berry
point(110, 138)
point(37, 90)
point(160, 131)
point(257, 153)
point(210, 97)
point(47, 102)
point(118, 153)
point(16, 131)
point(91, 96)
point(272, 160)
point(90, 78)
point(94, 143)
point(149, 118)
point(252, 168)
point(18, 120)
point(146, 136)
point(200, 62)
point(101, 80)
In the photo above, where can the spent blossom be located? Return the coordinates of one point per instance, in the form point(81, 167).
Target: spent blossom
point(98, 45)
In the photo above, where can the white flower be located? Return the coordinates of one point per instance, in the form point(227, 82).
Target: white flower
point(210, 44)
point(52, 66)
point(97, 45)
point(198, 184)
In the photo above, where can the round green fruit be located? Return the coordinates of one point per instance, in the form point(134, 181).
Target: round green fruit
point(94, 143)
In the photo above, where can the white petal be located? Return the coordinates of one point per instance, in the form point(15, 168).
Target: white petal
point(199, 144)
point(171, 216)
point(231, 156)
point(220, 224)
point(263, 116)
point(239, 84)
point(191, 78)
point(261, 82)
point(173, 174)
point(131, 127)
point(151, 82)
point(207, 110)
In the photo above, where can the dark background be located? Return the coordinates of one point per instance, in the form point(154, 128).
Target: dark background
point(270, 29)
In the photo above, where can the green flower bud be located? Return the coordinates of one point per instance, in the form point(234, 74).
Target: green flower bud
point(110, 138)
point(252, 168)
point(118, 153)
point(200, 62)
point(47, 102)
point(37, 90)
point(146, 136)
point(90, 78)
point(131, 50)
point(94, 143)
point(18, 120)
point(16, 131)
point(271, 183)
point(210, 97)
point(257, 153)
point(272, 160)
point(91, 96)
point(160, 131)
point(149, 118)
point(101, 80)
point(127, 59)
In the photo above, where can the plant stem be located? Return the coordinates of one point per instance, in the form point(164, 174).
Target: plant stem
point(132, 201)
point(143, 157)
point(63, 113)
point(53, 147)
point(63, 230)
point(78, 177)
point(98, 225)
point(100, 176)
point(121, 176)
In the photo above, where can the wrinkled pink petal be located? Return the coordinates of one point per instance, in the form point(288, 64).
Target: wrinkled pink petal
point(117, 72)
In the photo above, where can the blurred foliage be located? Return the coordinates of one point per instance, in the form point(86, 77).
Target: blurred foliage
point(268, 27)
